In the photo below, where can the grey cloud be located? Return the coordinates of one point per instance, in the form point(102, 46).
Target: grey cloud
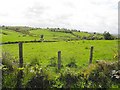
point(62, 21)
point(38, 16)
point(35, 11)
point(63, 17)
point(57, 21)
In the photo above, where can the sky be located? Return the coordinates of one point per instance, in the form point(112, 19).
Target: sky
point(84, 15)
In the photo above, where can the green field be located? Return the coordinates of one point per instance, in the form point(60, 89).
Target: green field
point(75, 50)
point(11, 36)
point(49, 35)
point(78, 50)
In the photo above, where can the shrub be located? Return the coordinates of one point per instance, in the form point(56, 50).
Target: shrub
point(107, 36)
point(70, 79)
point(9, 71)
point(100, 76)
point(34, 61)
point(72, 63)
point(53, 62)
point(9, 80)
point(39, 79)
point(8, 61)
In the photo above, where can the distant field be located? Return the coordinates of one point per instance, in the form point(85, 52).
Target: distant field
point(86, 34)
point(10, 36)
point(49, 35)
point(31, 35)
point(74, 50)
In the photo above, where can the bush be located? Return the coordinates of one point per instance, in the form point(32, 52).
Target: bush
point(53, 62)
point(9, 71)
point(38, 77)
point(8, 61)
point(71, 79)
point(72, 63)
point(38, 81)
point(107, 36)
point(101, 75)
point(34, 61)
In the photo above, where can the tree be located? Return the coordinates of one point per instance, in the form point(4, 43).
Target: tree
point(107, 36)
point(42, 37)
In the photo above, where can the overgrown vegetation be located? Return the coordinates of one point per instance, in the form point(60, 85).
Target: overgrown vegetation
point(100, 75)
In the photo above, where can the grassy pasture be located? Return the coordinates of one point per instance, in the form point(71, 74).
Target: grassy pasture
point(50, 35)
point(11, 36)
point(82, 34)
point(74, 50)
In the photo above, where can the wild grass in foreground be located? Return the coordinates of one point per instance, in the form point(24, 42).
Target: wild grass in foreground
point(99, 75)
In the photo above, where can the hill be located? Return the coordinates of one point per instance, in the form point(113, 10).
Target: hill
point(23, 33)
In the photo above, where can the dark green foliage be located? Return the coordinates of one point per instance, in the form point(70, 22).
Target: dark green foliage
point(9, 80)
point(9, 71)
point(8, 61)
point(42, 37)
point(72, 63)
point(34, 61)
point(4, 33)
point(38, 81)
point(71, 79)
point(107, 36)
point(101, 77)
point(53, 62)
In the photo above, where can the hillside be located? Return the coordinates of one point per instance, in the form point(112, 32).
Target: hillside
point(16, 33)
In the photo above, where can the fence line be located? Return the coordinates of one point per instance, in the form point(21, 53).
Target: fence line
point(25, 42)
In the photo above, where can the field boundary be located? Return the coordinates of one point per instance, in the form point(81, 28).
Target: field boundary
point(25, 42)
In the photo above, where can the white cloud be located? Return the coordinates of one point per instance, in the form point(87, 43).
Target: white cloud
point(87, 15)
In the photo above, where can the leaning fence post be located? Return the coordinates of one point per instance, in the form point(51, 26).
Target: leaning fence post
point(91, 54)
point(20, 73)
point(59, 60)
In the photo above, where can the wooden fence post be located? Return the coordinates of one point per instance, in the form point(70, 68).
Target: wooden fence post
point(20, 55)
point(119, 54)
point(59, 60)
point(91, 54)
point(20, 73)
